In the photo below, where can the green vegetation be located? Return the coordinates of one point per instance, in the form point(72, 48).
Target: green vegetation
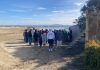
point(92, 56)
point(82, 22)
point(92, 50)
point(92, 5)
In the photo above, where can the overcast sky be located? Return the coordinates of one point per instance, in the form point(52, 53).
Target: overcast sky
point(24, 12)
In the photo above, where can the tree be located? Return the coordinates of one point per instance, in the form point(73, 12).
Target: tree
point(82, 22)
point(91, 12)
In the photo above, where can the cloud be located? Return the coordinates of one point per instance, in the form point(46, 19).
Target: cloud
point(41, 8)
point(52, 20)
point(66, 12)
point(66, 20)
point(78, 4)
point(63, 16)
point(25, 21)
point(74, 11)
point(58, 11)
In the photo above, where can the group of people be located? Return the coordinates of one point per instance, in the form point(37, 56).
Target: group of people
point(44, 37)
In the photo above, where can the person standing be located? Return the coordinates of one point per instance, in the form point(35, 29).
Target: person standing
point(59, 38)
point(36, 37)
point(30, 37)
point(40, 38)
point(25, 34)
point(33, 30)
point(50, 38)
point(63, 37)
point(44, 38)
point(55, 41)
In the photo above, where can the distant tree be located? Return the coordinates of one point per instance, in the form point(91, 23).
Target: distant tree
point(82, 22)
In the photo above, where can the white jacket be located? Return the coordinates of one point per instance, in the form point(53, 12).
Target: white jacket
point(50, 35)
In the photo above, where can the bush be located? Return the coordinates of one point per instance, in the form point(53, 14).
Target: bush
point(92, 56)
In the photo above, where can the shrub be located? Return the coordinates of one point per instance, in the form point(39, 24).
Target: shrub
point(92, 56)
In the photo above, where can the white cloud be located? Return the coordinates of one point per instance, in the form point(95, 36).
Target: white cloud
point(63, 17)
point(57, 17)
point(66, 20)
point(66, 12)
point(41, 8)
point(74, 11)
point(26, 21)
point(78, 4)
point(58, 11)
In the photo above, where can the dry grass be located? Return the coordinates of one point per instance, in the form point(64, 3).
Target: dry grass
point(10, 34)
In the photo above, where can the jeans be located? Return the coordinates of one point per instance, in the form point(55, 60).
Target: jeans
point(30, 40)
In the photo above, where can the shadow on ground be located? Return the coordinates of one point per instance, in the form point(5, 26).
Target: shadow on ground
point(75, 52)
point(76, 64)
point(15, 42)
point(41, 56)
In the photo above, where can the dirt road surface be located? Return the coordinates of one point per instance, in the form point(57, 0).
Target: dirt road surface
point(17, 55)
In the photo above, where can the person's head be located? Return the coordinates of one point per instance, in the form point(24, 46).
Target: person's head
point(25, 30)
point(35, 30)
point(59, 30)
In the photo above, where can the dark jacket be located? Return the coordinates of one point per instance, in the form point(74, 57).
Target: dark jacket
point(25, 34)
point(59, 35)
point(29, 34)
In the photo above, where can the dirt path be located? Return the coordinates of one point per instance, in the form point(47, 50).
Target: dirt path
point(23, 57)
point(16, 55)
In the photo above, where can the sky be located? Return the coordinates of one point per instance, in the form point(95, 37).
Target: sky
point(39, 12)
